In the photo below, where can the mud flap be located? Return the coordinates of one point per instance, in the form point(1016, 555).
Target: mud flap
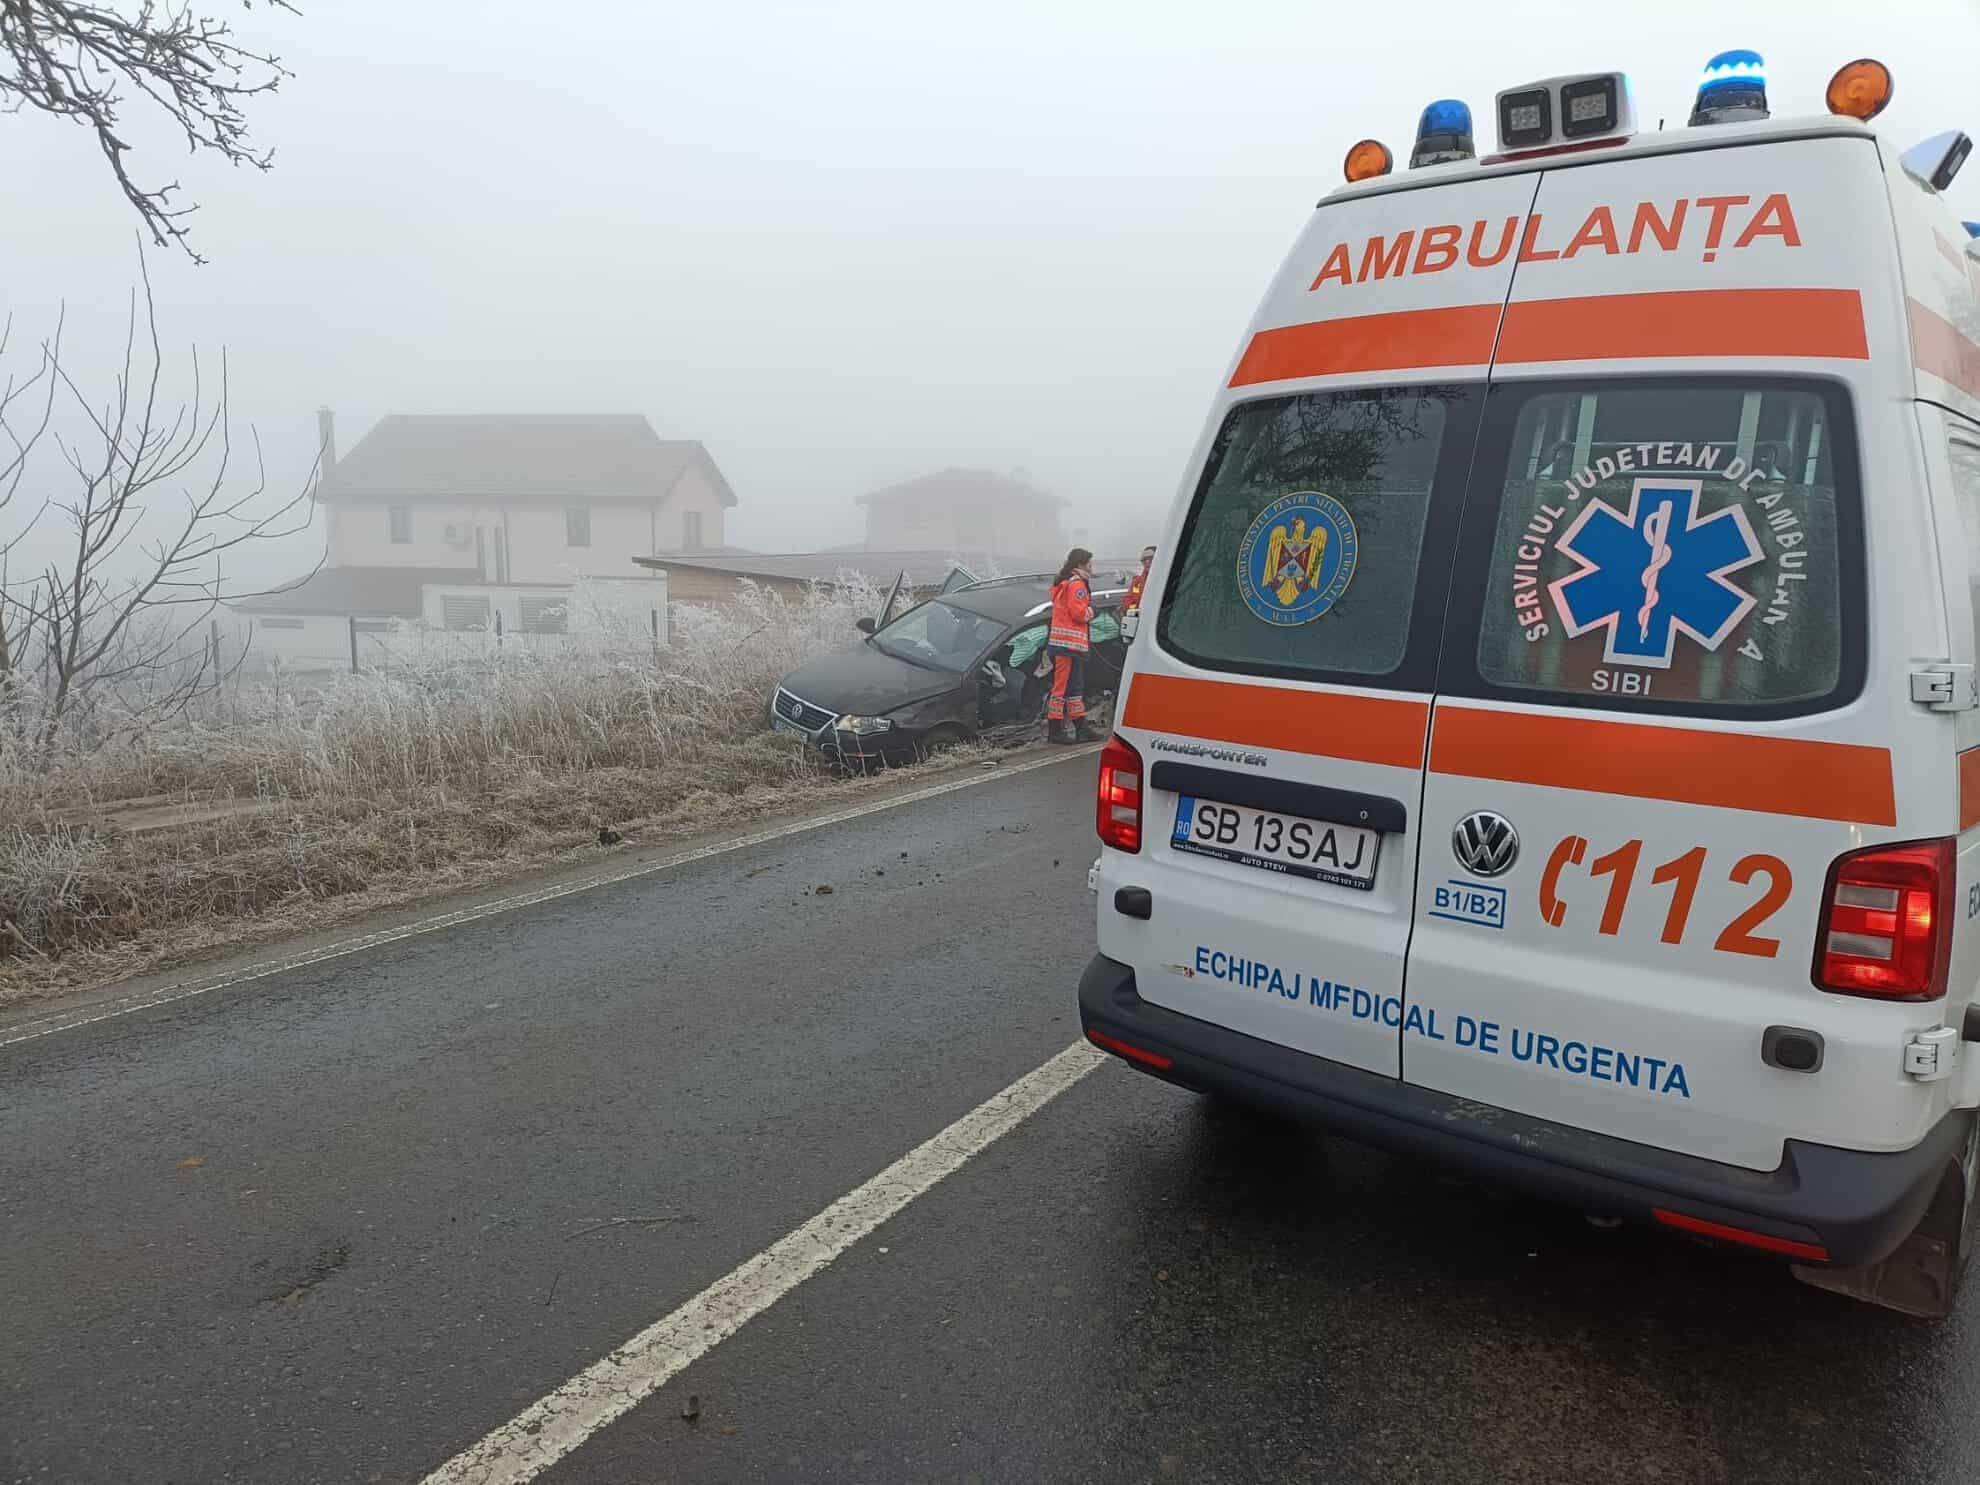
point(1923, 1276)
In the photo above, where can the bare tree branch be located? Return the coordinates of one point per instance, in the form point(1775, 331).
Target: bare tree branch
point(76, 60)
point(118, 618)
point(16, 445)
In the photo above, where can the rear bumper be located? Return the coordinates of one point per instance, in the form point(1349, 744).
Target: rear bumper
point(1856, 1205)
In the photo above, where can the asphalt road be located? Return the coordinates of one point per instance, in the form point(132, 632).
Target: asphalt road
point(338, 1224)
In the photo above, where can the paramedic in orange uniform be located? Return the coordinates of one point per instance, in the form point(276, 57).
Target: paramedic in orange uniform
point(1072, 612)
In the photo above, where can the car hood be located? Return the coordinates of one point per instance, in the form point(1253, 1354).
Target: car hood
point(866, 681)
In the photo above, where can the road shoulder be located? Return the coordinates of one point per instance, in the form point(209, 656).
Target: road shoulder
point(360, 926)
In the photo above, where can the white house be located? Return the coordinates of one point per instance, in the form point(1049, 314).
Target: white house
point(535, 498)
point(456, 521)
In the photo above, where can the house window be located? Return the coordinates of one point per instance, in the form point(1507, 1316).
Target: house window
point(545, 615)
point(401, 525)
point(577, 526)
point(691, 530)
point(460, 612)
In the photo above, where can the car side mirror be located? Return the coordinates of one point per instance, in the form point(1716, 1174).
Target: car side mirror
point(864, 625)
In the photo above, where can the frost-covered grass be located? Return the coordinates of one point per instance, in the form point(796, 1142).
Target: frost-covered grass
point(434, 770)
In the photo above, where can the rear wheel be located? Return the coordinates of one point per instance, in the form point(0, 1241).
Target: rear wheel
point(1924, 1276)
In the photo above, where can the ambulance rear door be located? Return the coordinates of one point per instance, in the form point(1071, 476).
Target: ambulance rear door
point(1675, 681)
point(1279, 694)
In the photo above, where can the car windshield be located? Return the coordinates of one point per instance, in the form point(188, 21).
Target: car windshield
point(940, 636)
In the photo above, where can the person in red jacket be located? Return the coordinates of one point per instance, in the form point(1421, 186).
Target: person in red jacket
point(1139, 581)
point(1067, 646)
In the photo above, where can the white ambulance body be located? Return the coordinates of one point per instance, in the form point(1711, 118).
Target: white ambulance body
point(1553, 747)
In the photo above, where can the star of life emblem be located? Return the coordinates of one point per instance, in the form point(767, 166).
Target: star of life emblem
point(1645, 575)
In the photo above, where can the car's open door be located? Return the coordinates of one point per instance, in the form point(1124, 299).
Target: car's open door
point(893, 600)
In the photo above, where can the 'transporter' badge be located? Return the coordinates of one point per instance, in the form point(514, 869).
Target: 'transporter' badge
point(1297, 558)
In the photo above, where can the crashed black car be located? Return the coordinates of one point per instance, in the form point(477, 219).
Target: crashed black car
point(968, 662)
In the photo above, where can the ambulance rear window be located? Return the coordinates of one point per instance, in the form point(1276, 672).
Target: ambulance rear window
point(1689, 546)
point(1301, 555)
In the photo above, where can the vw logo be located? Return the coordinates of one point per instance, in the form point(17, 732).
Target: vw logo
point(1485, 844)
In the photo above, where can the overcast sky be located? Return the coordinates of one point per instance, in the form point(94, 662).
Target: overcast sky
point(840, 243)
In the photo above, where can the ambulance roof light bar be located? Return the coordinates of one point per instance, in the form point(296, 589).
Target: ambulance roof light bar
point(1565, 113)
point(1443, 134)
point(1731, 89)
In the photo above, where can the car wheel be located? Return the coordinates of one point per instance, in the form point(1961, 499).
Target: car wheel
point(937, 739)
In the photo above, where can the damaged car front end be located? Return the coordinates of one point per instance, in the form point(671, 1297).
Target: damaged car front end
point(964, 663)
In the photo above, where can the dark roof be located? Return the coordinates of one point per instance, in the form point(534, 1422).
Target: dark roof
point(534, 456)
point(963, 486)
point(1007, 602)
point(925, 569)
point(1011, 601)
point(367, 592)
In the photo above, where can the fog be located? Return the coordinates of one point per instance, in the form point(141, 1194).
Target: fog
point(840, 244)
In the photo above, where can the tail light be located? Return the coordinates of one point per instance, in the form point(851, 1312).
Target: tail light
point(1118, 817)
point(1887, 922)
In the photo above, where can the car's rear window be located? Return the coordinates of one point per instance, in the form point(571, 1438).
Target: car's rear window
point(1678, 545)
point(1303, 550)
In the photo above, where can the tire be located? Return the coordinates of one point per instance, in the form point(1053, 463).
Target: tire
point(1926, 1273)
point(1969, 1218)
point(938, 739)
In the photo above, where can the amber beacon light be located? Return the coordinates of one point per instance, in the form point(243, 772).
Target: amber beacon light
point(1367, 160)
point(1860, 89)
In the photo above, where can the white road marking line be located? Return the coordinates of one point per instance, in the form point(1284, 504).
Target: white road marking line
point(552, 1427)
point(40, 1026)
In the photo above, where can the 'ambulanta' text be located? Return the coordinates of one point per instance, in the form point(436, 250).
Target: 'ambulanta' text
point(1704, 224)
point(1561, 1054)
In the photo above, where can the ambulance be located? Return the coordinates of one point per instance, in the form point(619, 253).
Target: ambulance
point(1551, 742)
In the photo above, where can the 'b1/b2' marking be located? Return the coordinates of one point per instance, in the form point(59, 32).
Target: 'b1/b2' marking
point(1469, 902)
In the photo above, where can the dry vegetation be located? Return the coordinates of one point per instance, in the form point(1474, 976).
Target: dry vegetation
point(435, 772)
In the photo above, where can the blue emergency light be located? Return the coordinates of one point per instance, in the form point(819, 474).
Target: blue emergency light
point(1972, 228)
point(1733, 87)
point(1443, 134)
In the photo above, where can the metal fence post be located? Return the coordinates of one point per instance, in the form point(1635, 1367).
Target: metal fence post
point(498, 629)
point(352, 621)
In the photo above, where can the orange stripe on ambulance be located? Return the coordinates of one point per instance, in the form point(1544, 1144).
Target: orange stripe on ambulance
point(1707, 221)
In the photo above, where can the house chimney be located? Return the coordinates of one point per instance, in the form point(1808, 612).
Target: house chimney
point(326, 441)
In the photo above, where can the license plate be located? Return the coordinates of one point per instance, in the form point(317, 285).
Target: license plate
point(781, 724)
point(1343, 855)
